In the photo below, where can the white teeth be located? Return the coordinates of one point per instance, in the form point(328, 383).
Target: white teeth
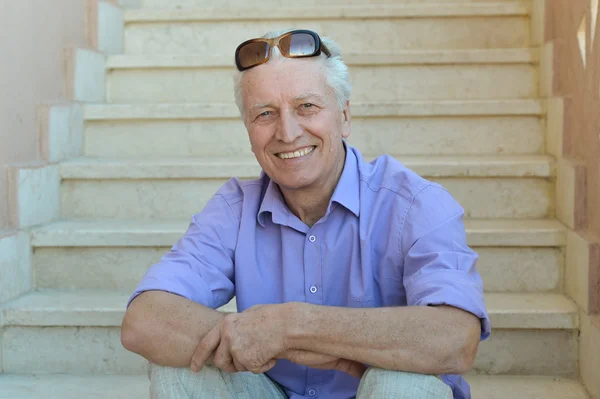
point(296, 154)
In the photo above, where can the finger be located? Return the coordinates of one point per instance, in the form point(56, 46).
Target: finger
point(223, 358)
point(239, 366)
point(205, 348)
point(265, 367)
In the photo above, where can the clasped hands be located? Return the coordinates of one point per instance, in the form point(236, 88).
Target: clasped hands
point(253, 341)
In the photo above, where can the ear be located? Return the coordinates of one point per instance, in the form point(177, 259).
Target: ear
point(346, 120)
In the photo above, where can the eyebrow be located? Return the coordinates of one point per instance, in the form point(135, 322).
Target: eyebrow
point(303, 96)
point(259, 105)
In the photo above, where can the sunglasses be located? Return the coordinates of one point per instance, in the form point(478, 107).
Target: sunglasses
point(295, 44)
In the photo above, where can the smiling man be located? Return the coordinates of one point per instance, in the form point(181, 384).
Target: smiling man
point(352, 279)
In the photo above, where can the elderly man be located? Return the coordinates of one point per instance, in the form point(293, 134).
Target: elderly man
point(352, 279)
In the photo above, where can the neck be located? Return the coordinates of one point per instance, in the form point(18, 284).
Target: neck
point(310, 204)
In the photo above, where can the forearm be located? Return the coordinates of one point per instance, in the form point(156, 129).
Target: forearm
point(166, 328)
point(428, 340)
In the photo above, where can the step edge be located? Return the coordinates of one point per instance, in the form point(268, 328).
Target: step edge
point(556, 317)
point(501, 8)
point(179, 111)
point(427, 57)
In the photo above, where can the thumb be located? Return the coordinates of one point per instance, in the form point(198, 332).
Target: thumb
point(355, 369)
point(265, 367)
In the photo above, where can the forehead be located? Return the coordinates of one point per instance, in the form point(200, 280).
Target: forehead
point(283, 80)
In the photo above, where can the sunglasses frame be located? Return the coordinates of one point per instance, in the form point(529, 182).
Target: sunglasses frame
point(274, 42)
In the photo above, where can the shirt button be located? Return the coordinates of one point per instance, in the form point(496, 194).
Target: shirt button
point(313, 289)
point(312, 392)
point(312, 238)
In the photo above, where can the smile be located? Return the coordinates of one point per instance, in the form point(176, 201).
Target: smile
point(296, 154)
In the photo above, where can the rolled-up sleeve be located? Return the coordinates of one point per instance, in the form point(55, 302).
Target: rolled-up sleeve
point(439, 266)
point(200, 265)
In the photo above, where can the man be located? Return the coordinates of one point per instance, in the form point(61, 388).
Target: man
point(352, 279)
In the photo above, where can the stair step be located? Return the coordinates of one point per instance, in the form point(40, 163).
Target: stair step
point(179, 4)
point(525, 387)
point(511, 187)
point(431, 128)
point(136, 386)
point(46, 331)
point(106, 309)
point(459, 74)
point(225, 167)
point(69, 386)
point(406, 57)
point(437, 108)
point(113, 255)
point(499, 8)
point(146, 233)
point(356, 29)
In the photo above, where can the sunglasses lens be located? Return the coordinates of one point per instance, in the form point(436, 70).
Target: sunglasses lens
point(253, 53)
point(298, 44)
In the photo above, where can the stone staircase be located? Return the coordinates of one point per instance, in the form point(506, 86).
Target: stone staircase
point(450, 88)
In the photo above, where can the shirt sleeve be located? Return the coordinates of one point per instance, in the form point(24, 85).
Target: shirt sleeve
point(439, 266)
point(200, 265)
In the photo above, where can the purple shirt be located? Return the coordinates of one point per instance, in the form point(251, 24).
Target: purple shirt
point(389, 238)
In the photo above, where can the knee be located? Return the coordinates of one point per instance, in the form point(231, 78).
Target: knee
point(180, 382)
point(381, 383)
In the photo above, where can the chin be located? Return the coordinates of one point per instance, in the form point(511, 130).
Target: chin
point(293, 182)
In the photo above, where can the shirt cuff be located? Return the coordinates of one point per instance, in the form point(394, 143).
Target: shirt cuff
point(453, 288)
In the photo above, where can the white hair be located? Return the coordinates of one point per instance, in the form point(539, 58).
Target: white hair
point(336, 71)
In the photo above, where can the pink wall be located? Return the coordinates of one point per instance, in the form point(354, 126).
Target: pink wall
point(33, 34)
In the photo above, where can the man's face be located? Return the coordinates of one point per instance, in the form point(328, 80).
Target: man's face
point(288, 107)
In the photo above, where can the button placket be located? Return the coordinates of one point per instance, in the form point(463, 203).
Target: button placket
point(312, 268)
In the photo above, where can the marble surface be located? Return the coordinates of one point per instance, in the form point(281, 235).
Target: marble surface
point(38, 193)
point(210, 36)
point(589, 354)
point(110, 28)
point(52, 386)
point(513, 269)
point(149, 233)
point(442, 135)
point(162, 4)
point(136, 386)
point(503, 269)
point(78, 332)
point(66, 132)
point(366, 11)
point(89, 80)
point(369, 83)
point(77, 350)
point(170, 197)
point(15, 266)
point(523, 107)
point(405, 57)
point(106, 308)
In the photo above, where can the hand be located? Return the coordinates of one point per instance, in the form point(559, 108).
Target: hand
point(324, 362)
point(247, 341)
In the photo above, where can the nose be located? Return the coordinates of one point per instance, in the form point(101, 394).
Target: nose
point(289, 129)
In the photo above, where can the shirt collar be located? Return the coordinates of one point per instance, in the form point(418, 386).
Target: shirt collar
point(346, 193)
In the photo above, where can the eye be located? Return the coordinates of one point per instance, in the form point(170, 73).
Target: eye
point(264, 115)
point(308, 105)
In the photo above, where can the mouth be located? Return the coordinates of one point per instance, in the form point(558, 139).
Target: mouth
point(296, 154)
